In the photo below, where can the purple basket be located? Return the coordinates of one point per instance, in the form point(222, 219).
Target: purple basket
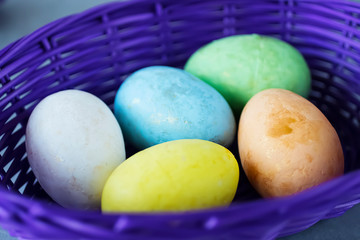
point(95, 50)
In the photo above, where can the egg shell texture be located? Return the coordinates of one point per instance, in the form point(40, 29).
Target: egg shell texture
point(177, 175)
point(158, 104)
point(73, 142)
point(286, 144)
point(241, 66)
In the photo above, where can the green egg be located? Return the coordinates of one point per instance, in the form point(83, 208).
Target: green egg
point(240, 66)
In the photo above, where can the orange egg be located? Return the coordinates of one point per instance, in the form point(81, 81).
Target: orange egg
point(286, 144)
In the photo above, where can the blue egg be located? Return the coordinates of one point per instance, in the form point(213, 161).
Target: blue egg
point(159, 104)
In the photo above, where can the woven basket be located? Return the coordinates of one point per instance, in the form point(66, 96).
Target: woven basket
point(95, 50)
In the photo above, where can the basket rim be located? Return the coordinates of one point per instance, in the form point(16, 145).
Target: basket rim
point(52, 26)
point(290, 207)
point(352, 180)
point(346, 185)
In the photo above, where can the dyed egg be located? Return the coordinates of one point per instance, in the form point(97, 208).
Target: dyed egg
point(158, 104)
point(286, 144)
point(243, 65)
point(73, 143)
point(177, 175)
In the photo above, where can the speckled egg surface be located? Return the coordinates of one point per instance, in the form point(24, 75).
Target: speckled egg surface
point(243, 65)
point(73, 142)
point(158, 104)
point(286, 144)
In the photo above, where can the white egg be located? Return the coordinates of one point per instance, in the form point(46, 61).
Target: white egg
point(73, 143)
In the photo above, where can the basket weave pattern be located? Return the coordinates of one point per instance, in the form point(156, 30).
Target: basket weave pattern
point(95, 51)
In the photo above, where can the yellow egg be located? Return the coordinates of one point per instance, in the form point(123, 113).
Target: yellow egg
point(178, 175)
point(286, 144)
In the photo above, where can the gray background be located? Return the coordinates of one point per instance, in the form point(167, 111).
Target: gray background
point(21, 17)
